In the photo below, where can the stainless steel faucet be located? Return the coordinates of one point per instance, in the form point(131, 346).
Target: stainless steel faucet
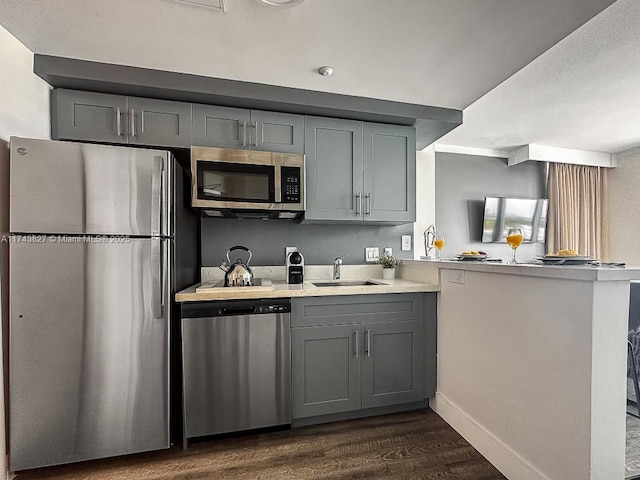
point(336, 267)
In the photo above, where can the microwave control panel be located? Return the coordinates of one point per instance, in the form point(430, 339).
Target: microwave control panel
point(290, 185)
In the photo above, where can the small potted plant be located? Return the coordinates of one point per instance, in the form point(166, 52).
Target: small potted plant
point(389, 263)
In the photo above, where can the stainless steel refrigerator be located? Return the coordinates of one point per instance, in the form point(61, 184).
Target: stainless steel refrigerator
point(94, 260)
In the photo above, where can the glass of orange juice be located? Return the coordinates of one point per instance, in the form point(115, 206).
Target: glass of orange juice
point(514, 239)
point(438, 242)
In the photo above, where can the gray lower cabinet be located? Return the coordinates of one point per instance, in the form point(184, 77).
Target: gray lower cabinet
point(325, 370)
point(227, 127)
point(100, 117)
point(393, 363)
point(361, 351)
point(359, 172)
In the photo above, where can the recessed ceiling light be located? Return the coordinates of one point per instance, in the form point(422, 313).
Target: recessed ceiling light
point(325, 71)
point(281, 3)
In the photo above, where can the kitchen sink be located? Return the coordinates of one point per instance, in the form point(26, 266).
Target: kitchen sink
point(346, 283)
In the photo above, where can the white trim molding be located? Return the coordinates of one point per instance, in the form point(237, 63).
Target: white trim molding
point(542, 153)
point(501, 456)
point(482, 152)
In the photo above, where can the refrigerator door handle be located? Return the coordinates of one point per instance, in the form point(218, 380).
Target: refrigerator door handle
point(156, 194)
point(157, 285)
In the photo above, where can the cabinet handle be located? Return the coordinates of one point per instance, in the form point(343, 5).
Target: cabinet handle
point(368, 197)
point(358, 204)
point(256, 126)
point(356, 343)
point(118, 122)
point(368, 346)
point(244, 133)
point(133, 123)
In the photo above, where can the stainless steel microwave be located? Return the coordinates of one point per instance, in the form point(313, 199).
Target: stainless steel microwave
point(247, 183)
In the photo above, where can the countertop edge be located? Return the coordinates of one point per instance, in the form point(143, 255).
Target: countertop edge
point(305, 290)
point(584, 273)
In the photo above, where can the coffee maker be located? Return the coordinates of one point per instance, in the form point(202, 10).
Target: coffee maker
point(295, 267)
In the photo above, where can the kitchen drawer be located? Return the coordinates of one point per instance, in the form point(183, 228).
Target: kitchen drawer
point(356, 308)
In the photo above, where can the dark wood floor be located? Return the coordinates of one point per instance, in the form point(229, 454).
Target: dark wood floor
point(405, 446)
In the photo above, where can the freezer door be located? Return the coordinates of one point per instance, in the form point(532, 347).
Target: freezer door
point(74, 188)
point(88, 350)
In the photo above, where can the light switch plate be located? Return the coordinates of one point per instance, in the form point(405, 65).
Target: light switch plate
point(456, 276)
point(371, 254)
point(406, 243)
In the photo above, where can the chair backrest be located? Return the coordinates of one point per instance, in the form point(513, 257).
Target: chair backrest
point(634, 325)
point(634, 306)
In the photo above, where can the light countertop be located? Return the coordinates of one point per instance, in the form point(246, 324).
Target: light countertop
point(280, 289)
point(574, 272)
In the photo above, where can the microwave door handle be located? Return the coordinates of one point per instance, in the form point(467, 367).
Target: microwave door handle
point(278, 182)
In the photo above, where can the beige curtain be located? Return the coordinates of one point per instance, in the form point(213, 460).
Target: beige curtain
point(577, 196)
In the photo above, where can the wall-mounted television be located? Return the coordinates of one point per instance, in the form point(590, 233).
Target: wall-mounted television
point(502, 213)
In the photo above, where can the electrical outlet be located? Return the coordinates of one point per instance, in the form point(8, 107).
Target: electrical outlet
point(388, 250)
point(456, 276)
point(406, 243)
point(371, 254)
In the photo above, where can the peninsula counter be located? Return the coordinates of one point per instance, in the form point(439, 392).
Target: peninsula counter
point(532, 364)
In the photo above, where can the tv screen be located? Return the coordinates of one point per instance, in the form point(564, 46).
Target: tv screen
point(501, 214)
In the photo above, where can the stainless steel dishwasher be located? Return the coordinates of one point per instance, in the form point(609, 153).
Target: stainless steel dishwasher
point(236, 365)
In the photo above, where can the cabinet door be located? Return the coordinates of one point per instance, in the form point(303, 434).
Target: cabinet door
point(277, 132)
point(392, 363)
point(159, 122)
point(333, 151)
point(325, 369)
point(88, 116)
point(389, 173)
point(221, 127)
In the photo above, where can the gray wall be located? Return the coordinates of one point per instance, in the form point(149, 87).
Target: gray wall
point(462, 182)
point(319, 244)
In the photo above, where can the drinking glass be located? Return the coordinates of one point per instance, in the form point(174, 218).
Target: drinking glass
point(514, 239)
point(438, 242)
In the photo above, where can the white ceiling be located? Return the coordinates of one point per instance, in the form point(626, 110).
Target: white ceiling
point(431, 52)
point(584, 93)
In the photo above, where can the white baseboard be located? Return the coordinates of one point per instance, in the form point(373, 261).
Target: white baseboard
point(510, 464)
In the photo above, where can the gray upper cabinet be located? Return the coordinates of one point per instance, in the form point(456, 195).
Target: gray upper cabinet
point(159, 122)
point(222, 127)
point(389, 173)
point(333, 169)
point(100, 117)
point(249, 129)
point(278, 132)
point(94, 117)
point(359, 172)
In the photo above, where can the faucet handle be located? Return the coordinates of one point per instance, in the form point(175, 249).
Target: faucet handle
point(338, 260)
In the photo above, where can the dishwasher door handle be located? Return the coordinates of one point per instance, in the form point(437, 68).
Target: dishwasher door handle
point(238, 311)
